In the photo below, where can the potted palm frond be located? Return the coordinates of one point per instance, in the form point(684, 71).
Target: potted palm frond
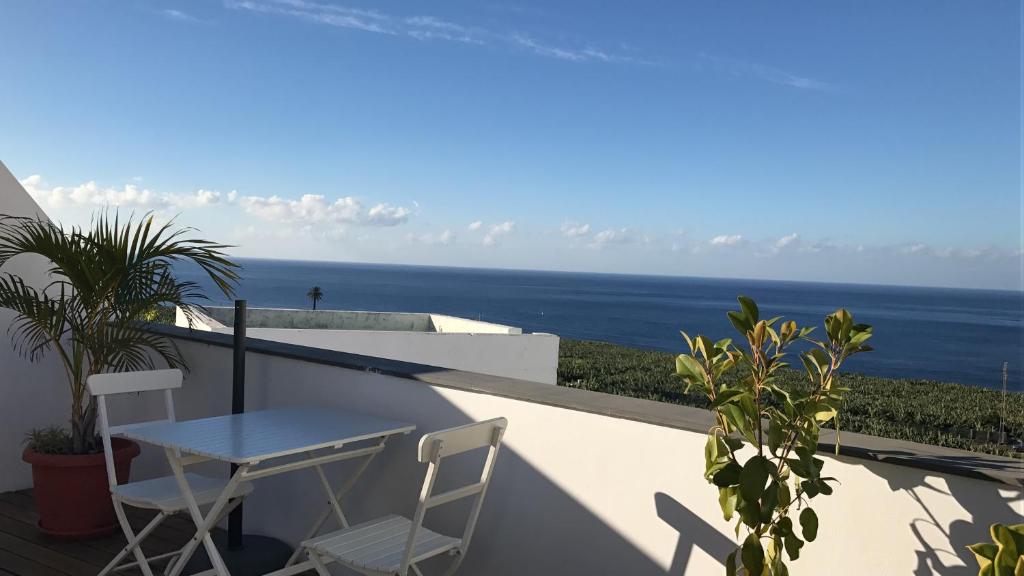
point(105, 281)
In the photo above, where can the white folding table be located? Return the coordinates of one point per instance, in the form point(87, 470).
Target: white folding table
point(303, 437)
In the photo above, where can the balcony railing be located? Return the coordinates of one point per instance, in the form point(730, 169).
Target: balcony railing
point(589, 483)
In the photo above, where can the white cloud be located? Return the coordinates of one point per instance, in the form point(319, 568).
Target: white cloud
point(432, 28)
point(178, 15)
point(762, 72)
point(421, 27)
point(495, 232)
point(575, 229)
point(387, 215)
point(311, 215)
point(199, 199)
point(787, 240)
point(316, 209)
point(329, 14)
point(444, 238)
point(613, 237)
point(567, 53)
point(727, 240)
point(309, 208)
point(536, 47)
point(88, 193)
point(475, 225)
point(915, 249)
point(91, 194)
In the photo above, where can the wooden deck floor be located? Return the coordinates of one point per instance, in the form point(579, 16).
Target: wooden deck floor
point(26, 552)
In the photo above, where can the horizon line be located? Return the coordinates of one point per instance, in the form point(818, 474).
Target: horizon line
point(1018, 291)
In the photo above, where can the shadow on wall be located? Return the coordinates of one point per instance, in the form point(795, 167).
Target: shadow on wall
point(520, 495)
point(529, 523)
point(693, 533)
point(983, 500)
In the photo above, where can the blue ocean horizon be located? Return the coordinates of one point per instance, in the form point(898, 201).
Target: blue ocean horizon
point(944, 334)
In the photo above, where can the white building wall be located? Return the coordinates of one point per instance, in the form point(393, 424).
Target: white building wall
point(532, 357)
point(445, 323)
point(458, 344)
point(582, 493)
point(31, 395)
point(200, 321)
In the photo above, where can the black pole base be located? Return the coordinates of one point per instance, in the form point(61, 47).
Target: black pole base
point(258, 555)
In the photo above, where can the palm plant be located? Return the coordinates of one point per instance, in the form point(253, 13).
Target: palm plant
point(104, 280)
point(315, 294)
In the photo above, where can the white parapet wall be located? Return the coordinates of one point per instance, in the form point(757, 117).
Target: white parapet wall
point(579, 492)
point(32, 395)
point(432, 339)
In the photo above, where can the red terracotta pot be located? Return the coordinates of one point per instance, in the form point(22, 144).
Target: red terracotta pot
point(71, 491)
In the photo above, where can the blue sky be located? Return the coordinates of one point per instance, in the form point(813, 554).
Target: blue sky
point(873, 142)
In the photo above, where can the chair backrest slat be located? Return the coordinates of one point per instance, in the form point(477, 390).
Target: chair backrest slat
point(102, 385)
point(460, 439)
point(124, 382)
point(437, 445)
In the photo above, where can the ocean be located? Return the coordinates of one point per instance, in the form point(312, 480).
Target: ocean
point(950, 335)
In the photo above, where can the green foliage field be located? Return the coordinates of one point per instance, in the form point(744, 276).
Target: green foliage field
point(923, 411)
point(161, 315)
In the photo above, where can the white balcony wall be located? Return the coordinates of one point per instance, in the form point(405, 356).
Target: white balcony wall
point(32, 395)
point(582, 493)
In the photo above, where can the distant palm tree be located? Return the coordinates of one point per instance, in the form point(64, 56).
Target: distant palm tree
point(315, 294)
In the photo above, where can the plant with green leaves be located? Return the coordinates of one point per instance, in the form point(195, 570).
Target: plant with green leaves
point(105, 283)
point(1004, 556)
point(772, 483)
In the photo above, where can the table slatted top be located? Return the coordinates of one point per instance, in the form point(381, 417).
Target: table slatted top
point(264, 434)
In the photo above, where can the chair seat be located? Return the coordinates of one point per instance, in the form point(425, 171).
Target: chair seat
point(163, 493)
point(379, 545)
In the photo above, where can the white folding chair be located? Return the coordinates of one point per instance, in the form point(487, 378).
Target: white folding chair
point(394, 544)
point(160, 494)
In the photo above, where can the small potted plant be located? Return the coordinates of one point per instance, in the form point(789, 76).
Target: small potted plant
point(768, 487)
point(92, 316)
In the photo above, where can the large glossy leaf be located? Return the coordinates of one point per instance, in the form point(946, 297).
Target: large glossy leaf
point(752, 555)
point(706, 347)
point(776, 434)
point(689, 368)
point(749, 308)
point(753, 477)
point(1009, 556)
point(716, 455)
point(739, 321)
point(793, 545)
point(734, 444)
point(769, 502)
point(727, 501)
point(809, 524)
point(689, 341)
point(728, 476)
point(728, 395)
point(738, 419)
point(749, 511)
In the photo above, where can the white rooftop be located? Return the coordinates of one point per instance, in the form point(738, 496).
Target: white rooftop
point(224, 317)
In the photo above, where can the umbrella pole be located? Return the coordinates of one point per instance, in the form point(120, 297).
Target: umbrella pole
point(237, 407)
